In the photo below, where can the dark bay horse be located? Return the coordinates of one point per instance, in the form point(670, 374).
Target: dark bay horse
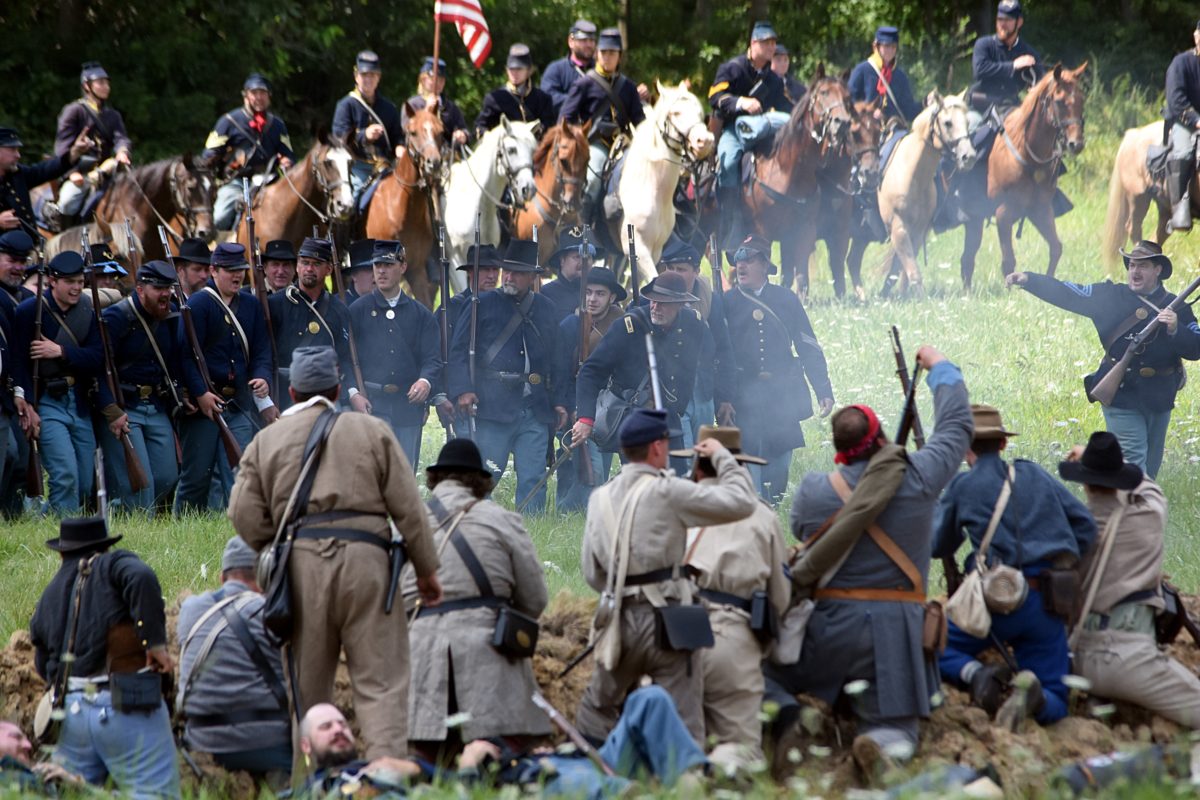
point(315, 190)
point(783, 195)
point(402, 208)
point(560, 167)
point(1023, 166)
point(174, 192)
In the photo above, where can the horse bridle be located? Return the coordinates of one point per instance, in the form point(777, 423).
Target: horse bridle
point(563, 209)
point(1060, 125)
point(328, 187)
point(820, 132)
point(675, 139)
point(935, 130)
point(182, 201)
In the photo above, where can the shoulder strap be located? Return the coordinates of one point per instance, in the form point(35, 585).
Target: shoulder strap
point(471, 561)
point(97, 122)
point(205, 646)
point(1099, 566)
point(292, 291)
point(158, 356)
point(255, 140)
point(881, 539)
point(770, 312)
point(520, 314)
point(297, 504)
point(233, 321)
point(374, 116)
point(67, 657)
point(237, 624)
point(997, 513)
point(610, 90)
point(887, 85)
point(61, 320)
point(1126, 326)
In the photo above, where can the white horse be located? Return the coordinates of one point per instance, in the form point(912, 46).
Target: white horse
point(673, 136)
point(503, 157)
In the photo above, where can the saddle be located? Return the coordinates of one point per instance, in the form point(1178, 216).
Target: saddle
point(368, 192)
point(1157, 156)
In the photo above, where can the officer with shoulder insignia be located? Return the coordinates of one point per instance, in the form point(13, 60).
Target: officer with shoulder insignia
point(193, 266)
point(368, 123)
point(612, 104)
point(560, 75)
point(244, 143)
point(750, 100)
point(399, 350)
point(89, 116)
point(1140, 412)
point(307, 315)
point(148, 351)
point(567, 260)
point(781, 65)
point(518, 100)
point(69, 358)
point(279, 265)
point(509, 386)
point(454, 124)
point(15, 249)
point(16, 211)
point(232, 332)
point(359, 273)
point(765, 322)
point(683, 345)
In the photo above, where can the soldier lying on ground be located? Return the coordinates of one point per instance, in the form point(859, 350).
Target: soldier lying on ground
point(17, 770)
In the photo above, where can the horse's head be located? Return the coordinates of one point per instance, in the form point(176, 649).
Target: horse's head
point(566, 144)
point(866, 133)
point(826, 110)
point(331, 168)
point(424, 136)
point(192, 194)
point(948, 128)
point(680, 120)
point(514, 157)
point(1063, 106)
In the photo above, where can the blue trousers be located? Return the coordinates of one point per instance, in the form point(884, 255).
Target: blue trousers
point(772, 477)
point(573, 495)
point(153, 440)
point(700, 411)
point(68, 446)
point(1039, 644)
point(360, 176)
point(526, 440)
point(597, 158)
point(135, 749)
point(1142, 434)
point(737, 136)
point(409, 437)
point(649, 741)
point(204, 462)
point(225, 204)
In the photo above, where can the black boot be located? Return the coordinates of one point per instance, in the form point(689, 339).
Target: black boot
point(1179, 178)
point(989, 685)
point(733, 218)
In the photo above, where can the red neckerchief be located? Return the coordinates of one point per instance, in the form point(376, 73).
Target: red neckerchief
point(885, 79)
point(258, 122)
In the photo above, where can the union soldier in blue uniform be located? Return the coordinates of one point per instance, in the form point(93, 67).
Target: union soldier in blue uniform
point(279, 265)
point(368, 123)
point(359, 273)
point(398, 349)
point(1141, 410)
point(150, 377)
point(604, 297)
point(244, 143)
point(488, 278)
point(307, 315)
point(454, 124)
point(69, 358)
point(560, 75)
point(881, 78)
point(15, 416)
point(781, 65)
point(1183, 120)
point(1003, 65)
point(232, 332)
point(567, 260)
point(16, 178)
point(613, 105)
point(511, 391)
point(90, 115)
point(15, 249)
point(107, 273)
point(519, 99)
point(193, 265)
point(750, 101)
point(765, 322)
point(683, 345)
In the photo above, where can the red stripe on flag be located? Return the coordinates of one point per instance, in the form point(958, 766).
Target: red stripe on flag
point(468, 19)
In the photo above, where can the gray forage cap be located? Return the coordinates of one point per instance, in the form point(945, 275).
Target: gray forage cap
point(314, 369)
point(238, 555)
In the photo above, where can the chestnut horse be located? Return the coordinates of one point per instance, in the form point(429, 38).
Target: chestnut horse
point(402, 208)
point(1024, 163)
point(560, 168)
point(314, 190)
point(174, 192)
point(782, 197)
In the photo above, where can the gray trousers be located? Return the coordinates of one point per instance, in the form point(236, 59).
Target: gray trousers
point(1183, 142)
point(1128, 666)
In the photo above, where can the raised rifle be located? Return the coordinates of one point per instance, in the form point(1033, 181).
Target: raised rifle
point(444, 320)
point(101, 484)
point(633, 268)
point(914, 421)
point(233, 451)
point(572, 733)
point(33, 467)
point(339, 285)
point(474, 325)
point(260, 288)
point(583, 464)
point(133, 467)
point(134, 256)
point(1105, 389)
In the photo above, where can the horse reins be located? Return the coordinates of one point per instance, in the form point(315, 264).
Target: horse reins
point(1045, 102)
point(547, 214)
point(324, 186)
point(188, 213)
point(505, 170)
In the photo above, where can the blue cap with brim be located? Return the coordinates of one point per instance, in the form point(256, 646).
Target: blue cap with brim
point(92, 71)
point(887, 34)
point(610, 39)
point(763, 30)
point(256, 81)
point(643, 426)
point(229, 255)
point(10, 138)
point(66, 265)
point(1009, 9)
point(367, 61)
point(427, 65)
point(16, 243)
point(156, 273)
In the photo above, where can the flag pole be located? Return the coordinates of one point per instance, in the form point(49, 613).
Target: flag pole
point(437, 36)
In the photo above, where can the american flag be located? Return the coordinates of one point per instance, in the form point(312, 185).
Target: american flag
point(467, 16)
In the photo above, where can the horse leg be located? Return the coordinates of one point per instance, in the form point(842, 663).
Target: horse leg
point(1161, 230)
point(904, 250)
point(972, 238)
point(1138, 208)
point(854, 258)
point(836, 244)
point(1043, 219)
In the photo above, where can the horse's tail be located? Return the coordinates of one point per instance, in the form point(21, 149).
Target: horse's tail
point(1116, 221)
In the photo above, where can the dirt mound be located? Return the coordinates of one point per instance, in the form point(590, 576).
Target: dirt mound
point(20, 685)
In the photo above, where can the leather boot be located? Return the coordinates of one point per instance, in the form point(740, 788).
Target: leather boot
point(989, 685)
point(1179, 178)
point(733, 218)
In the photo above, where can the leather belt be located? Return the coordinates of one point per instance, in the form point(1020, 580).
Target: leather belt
point(227, 391)
point(462, 604)
point(236, 718)
point(345, 534)
point(141, 391)
point(1150, 372)
point(533, 378)
point(887, 595)
point(726, 599)
point(658, 575)
point(60, 386)
point(386, 388)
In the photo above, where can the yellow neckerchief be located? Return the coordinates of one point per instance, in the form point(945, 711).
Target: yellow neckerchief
point(360, 96)
point(600, 71)
point(92, 104)
point(517, 90)
point(876, 60)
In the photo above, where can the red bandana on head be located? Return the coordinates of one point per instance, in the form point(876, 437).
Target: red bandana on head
point(863, 444)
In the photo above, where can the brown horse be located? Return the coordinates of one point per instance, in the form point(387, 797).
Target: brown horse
point(782, 197)
point(853, 172)
point(1022, 169)
point(174, 192)
point(560, 167)
point(402, 208)
point(315, 190)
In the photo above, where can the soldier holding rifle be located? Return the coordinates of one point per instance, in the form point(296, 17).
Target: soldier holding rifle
point(1135, 386)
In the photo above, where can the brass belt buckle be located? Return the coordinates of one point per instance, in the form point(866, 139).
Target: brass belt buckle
point(1146, 372)
point(70, 379)
point(391, 388)
point(228, 391)
point(144, 392)
point(535, 378)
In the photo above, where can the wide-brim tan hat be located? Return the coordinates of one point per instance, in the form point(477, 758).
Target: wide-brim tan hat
point(727, 435)
point(988, 424)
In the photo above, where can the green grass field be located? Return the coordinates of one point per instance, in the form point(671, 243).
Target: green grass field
point(1016, 352)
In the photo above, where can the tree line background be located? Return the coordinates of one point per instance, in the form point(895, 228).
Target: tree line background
point(177, 64)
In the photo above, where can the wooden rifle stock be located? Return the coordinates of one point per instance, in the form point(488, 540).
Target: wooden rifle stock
point(138, 480)
point(914, 422)
point(585, 475)
point(260, 289)
point(33, 467)
point(339, 285)
point(1105, 389)
point(633, 268)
